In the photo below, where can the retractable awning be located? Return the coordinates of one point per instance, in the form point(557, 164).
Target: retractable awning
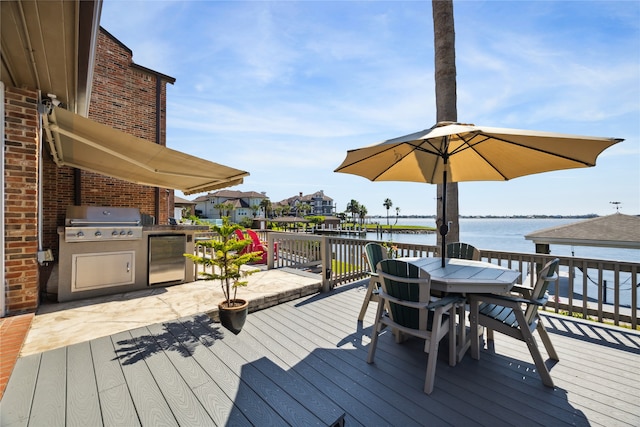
point(84, 144)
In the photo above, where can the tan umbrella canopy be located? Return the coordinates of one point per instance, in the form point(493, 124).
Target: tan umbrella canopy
point(458, 152)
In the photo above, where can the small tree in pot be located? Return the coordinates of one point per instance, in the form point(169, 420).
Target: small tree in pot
point(228, 255)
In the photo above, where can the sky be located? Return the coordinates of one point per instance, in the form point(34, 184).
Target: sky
point(283, 89)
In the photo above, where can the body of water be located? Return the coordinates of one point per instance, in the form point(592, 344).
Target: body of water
point(506, 234)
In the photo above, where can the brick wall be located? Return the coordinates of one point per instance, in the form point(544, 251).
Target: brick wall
point(21, 208)
point(123, 97)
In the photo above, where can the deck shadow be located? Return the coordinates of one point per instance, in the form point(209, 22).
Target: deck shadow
point(591, 332)
point(177, 336)
point(335, 291)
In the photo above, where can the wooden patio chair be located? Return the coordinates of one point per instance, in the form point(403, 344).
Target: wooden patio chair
point(517, 316)
point(259, 245)
point(406, 291)
point(375, 253)
point(462, 251)
point(240, 236)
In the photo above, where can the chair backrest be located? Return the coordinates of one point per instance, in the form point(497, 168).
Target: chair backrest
point(239, 234)
point(406, 282)
point(462, 251)
point(546, 276)
point(375, 253)
point(254, 236)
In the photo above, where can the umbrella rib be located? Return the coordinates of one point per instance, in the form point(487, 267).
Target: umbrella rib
point(390, 166)
point(551, 153)
point(361, 160)
point(470, 145)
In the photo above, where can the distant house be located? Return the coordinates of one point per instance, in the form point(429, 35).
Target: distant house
point(235, 204)
point(183, 207)
point(317, 204)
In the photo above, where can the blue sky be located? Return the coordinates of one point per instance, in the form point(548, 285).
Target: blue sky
point(283, 90)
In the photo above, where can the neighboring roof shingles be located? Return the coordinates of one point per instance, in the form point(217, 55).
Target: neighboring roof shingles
point(613, 231)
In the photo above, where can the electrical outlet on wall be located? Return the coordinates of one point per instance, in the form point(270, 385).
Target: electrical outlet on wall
point(45, 256)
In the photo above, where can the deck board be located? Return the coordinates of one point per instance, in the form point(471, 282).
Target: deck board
point(48, 406)
point(116, 404)
point(83, 404)
point(350, 374)
point(15, 407)
point(151, 407)
point(212, 382)
point(304, 362)
point(183, 404)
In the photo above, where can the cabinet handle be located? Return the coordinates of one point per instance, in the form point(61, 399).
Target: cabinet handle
point(128, 268)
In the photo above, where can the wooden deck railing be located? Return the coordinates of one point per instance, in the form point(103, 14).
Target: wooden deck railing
point(608, 292)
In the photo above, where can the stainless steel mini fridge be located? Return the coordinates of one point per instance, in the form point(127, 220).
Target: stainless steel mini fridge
point(166, 258)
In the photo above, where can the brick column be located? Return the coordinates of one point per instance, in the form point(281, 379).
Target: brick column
point(21, 199)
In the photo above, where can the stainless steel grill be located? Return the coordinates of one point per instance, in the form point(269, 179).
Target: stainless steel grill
point(100, 223)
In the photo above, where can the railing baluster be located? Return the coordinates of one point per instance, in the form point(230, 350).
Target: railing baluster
point(347, 264)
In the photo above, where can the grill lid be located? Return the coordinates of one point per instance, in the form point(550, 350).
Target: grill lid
point(102, 215)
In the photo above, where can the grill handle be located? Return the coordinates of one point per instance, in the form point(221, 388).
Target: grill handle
point(88, 222)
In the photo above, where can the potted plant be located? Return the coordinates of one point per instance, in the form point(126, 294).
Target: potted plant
point(224, 263)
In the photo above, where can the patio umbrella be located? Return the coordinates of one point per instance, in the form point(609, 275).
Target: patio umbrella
point(455, 152)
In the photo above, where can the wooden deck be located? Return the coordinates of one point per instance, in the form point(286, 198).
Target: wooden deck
point(303, 363)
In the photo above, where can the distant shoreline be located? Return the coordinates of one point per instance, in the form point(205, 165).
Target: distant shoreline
point(393, 217)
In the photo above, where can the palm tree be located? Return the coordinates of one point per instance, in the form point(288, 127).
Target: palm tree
point(305, 208)
point(446, 101)
point(387, 204)
point(265, 204)
point(353, 207)
point(397, 213)
point(228, 208)
point(362, 212)
point(220, 208)
point(255, 209)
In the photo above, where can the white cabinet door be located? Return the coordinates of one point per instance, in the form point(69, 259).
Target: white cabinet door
point(100, 270)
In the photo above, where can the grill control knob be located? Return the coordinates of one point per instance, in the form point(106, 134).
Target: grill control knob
point(114, 233)
point(79, 234)
point(129, 233)
point(98, 234)
point(122, 233)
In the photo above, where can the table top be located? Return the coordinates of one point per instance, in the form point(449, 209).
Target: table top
point(466, 276)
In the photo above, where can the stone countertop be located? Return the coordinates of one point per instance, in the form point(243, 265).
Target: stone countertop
point(180, 227)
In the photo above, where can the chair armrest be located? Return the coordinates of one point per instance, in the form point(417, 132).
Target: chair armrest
point(500, 299)
point(449, 300)
point(522, 289)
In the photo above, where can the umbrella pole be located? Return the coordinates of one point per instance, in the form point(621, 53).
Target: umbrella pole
point(444, 228)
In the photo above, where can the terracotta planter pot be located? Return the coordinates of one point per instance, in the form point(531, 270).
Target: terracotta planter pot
point(233, 318)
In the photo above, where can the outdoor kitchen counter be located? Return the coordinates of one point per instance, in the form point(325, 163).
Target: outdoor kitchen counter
point(97, 268)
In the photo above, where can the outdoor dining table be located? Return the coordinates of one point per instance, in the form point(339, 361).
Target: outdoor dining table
point(462, 276)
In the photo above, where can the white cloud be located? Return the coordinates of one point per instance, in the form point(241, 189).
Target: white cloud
point(283, 89)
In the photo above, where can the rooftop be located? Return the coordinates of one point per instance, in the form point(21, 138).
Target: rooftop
point(612, 231)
